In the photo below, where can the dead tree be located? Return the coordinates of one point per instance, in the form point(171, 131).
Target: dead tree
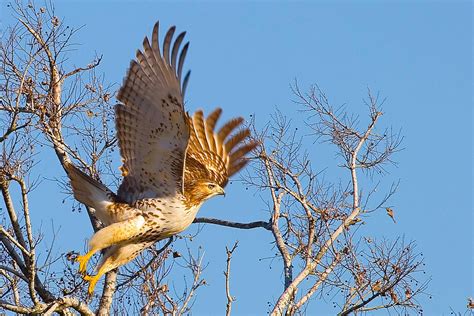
point(317, 225)
point(50, 105)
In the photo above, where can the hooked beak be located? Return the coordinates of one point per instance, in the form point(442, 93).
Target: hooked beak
point(221, 192)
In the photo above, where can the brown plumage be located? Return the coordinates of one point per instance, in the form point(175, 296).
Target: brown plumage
point(172, 162)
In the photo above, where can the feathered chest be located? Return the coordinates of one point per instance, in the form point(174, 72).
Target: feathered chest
point(166, 216)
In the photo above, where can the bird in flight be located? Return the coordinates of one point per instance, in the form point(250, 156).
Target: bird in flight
point(171, 162)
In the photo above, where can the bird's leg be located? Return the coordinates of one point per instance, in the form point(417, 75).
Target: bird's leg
point(83, 261)
point(110, 235)
point(114, 257)
point(108, 264)
point(104, 267)
point(92, 279)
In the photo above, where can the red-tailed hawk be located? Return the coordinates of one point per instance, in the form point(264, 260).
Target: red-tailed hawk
point(172, 162)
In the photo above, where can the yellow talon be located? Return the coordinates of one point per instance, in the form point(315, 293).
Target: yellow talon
point(92, 279)
point(83, 262)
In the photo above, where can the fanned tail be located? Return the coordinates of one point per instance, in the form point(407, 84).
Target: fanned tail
point(89, 191)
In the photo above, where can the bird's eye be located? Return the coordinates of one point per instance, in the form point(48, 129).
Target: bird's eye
point(211, 186)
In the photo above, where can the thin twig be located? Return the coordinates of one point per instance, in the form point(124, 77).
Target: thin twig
point(230, 298)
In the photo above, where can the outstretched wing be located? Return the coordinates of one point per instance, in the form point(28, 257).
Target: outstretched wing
point(216, 156)
point(152, 127)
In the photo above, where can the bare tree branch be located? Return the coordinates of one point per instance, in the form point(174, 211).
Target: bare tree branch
point(230, 298)
point(220, 222)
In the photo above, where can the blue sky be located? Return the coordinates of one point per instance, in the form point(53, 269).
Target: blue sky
point(245, 55)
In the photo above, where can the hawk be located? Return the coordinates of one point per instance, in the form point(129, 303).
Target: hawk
point(171, 162)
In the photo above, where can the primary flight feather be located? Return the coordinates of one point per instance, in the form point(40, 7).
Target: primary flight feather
point(172, 162)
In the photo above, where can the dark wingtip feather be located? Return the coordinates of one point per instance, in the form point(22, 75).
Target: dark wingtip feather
point(174, 52)
point(185, 82)
point(167, 43)
point(182, 57)
point(155, 41)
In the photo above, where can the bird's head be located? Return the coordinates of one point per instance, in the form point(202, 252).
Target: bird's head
point(198, 191)
point(210, 189)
